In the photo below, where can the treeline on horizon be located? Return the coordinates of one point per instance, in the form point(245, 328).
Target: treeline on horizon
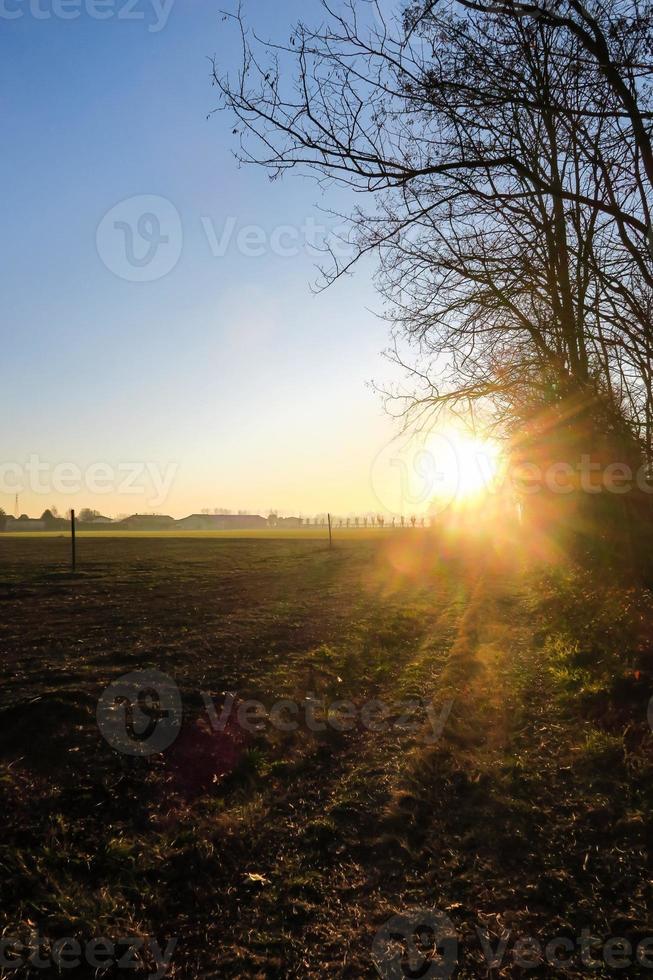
point(93, 520)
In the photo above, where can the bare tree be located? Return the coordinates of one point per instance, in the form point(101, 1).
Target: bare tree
point(505, 147)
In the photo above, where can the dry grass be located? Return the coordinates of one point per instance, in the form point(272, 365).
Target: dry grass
point(531, 813)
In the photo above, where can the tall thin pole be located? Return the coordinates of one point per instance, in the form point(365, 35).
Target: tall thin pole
point(73, 539)
point(330, 536)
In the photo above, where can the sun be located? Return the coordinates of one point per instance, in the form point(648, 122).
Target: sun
point(465, 466)
point(430, 472)
point(478, 463)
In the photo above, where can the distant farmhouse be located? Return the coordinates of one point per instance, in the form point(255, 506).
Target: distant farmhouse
point(23, 523)
point(145, 522)
point(222, 522)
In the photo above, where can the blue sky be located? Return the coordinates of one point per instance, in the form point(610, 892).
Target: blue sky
point(227, 367)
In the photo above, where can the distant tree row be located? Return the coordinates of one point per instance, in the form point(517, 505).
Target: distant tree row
point(375, 520)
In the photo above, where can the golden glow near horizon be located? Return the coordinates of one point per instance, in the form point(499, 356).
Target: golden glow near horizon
point(430, 472)
point(419, 475)
point(470, 464)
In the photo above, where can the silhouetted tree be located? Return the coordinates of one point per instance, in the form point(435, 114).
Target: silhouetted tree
point(505, 146)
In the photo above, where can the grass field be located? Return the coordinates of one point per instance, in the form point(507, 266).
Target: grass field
point(267, 534)
point(280, 853)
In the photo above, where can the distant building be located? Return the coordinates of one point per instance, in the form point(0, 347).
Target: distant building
point(23, 523)
point(222, 522)
point(289, 522)
point(146, 522)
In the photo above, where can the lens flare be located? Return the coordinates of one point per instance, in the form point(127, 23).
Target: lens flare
point(469, 469)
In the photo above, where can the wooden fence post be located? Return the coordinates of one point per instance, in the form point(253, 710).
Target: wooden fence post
point(73, 540)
